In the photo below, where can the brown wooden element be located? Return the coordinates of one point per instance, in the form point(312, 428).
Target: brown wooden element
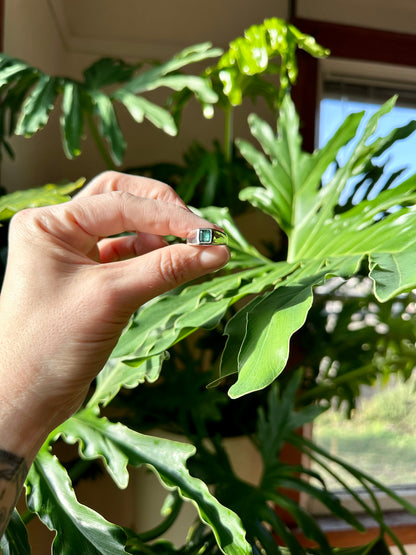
point(305, 97)
point(1, 25)
point(362, 43)
point(348, 538)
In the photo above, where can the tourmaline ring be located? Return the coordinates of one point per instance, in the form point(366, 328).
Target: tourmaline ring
point(206, 237)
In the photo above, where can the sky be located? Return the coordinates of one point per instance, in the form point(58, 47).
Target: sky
point(401, 155)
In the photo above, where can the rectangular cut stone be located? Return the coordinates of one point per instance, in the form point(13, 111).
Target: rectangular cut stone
point(205, 236)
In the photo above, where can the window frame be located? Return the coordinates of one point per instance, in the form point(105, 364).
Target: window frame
point(350, 46)
point(1, 25)
point(346, 43)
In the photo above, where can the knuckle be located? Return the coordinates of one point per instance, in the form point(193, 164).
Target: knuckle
point(106, 181)
point(171, 268)
point(164, 193)
point(22, 217)
point(26, 219)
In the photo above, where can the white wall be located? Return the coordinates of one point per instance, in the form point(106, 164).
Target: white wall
point(398, 15)
point(64, 37)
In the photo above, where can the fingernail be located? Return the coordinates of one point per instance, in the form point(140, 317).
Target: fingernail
point(214, 257)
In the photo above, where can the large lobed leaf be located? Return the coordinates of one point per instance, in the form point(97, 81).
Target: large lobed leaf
point(15, 540)
point(380, 232)
point(78, 528)
point(28, 96)
point(39, 196)
point(118, 446)
point(322, 243)
point(252, 55)
point(120, 372)
point(172, 317)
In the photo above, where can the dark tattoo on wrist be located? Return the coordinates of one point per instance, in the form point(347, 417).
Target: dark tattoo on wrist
point(13, 470)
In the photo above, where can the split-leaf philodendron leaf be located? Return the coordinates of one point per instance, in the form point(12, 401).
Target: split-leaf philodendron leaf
point(119, 446)
point(323, 241)
point(38, 196)
point(28, 96)
point(78, 528)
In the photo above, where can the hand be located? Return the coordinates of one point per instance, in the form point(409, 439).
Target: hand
point(69, 290)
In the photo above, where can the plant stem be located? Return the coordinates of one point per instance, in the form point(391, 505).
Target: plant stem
point(27, 516)
point(165, 524)
point(319, 390)
point(78, 469)
point(75, 473)
point(99, 143)
point(228, 134)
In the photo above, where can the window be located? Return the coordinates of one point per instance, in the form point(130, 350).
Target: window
point(366, 53)
point(340, 98)
point(381, 437)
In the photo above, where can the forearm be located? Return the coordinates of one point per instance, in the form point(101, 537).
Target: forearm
point(21, 436)
point(24, 426)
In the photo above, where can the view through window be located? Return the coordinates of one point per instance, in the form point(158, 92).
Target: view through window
point(380, 437)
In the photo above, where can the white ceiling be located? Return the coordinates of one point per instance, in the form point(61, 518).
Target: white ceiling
point(156, 28)
point(162, 27)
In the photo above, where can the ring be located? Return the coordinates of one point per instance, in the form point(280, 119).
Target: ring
point(206, 237)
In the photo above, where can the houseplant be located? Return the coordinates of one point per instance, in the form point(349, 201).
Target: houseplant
point(323, 240)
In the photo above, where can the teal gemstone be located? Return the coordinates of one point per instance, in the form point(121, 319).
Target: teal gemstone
point(205, 236)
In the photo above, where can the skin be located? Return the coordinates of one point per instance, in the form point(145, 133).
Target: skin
point(69, 291)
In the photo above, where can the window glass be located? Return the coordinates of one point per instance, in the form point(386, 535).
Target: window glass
point(380, 437)
point(401, 156)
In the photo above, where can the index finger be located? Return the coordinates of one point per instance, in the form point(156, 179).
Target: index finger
point(82, 221)
point(110, 181)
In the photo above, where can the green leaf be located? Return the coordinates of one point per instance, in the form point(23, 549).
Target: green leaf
point(305, 211)
point(292, 178)
point(117, 445)
point(91, 98)
point(243, 254)
point(140, 108)
point(78, 528)
point(305, 521)
point(375, 547)
point(275, 198)
point(37, 107)
point(16, 93)
point(40, 196)
point(251, 55)
point(272, 430)
point(109, 126)
point(15, 540)
point(129, 374)
point(187, 56)
point(168, 319)
point(200, 86)
point(108, 71)
point(313, 233)
point(393, 273)
point(261, 358)
point(11, 69)
point(72, 119)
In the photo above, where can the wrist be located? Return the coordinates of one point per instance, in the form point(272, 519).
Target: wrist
point(25, 419)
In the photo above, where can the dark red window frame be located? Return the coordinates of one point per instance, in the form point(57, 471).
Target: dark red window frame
point(1, 24)
point(348, 42)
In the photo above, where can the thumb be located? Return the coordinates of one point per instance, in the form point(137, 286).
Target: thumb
point(136, 281)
